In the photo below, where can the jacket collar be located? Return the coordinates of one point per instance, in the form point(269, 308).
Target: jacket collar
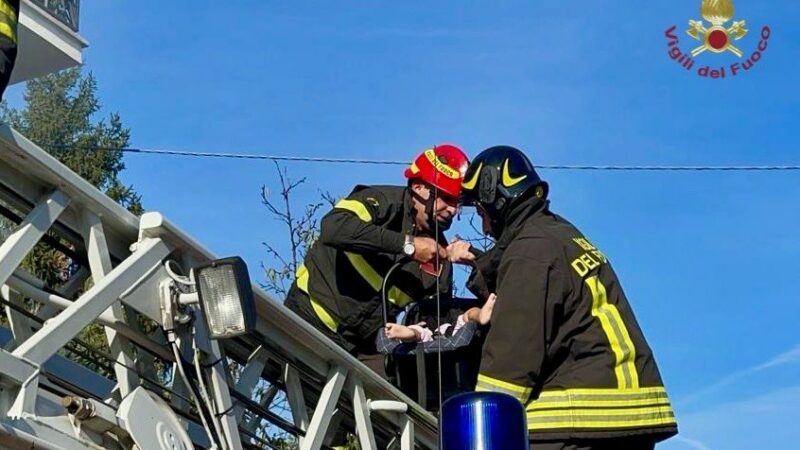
point(518, 214)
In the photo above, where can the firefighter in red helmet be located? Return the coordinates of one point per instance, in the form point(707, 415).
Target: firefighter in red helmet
point(338, 287)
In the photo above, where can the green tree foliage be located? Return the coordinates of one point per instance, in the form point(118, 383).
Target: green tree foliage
point(60, 116)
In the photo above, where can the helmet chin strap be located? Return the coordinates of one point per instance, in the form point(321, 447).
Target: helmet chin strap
point(430, 214)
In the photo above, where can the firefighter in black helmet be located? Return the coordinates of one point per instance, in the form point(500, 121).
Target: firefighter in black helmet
point(563, 339)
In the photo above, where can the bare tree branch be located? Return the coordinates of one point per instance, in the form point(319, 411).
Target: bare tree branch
point(484, 241)
point(302, 230)
point(328, 197)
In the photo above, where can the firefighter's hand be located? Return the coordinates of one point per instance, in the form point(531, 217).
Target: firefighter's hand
point(425, 249)
point(458, 252)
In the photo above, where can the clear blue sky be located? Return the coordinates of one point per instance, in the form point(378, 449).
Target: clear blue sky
point(709, 260)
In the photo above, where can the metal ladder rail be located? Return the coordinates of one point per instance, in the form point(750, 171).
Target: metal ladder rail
point(116, 222)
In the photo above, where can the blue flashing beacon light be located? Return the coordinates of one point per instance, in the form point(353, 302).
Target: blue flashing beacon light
point(483, 421)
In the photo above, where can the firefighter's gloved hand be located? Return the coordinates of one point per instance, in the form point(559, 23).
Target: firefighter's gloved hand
point(425, 250)
point(460, 252)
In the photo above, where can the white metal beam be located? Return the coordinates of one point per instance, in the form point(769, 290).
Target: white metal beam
point(27, 235)
point(57, 331)
point(100, 265)
point(406, 433)
point(222, 398)
point(68, 290)
point(54, 302)
point(333, 428)
point(366, 436)
point(315, 433)
point(20, 325)
point(250, 376)
point(267, 396)
point(296, 398)
point(14, 368)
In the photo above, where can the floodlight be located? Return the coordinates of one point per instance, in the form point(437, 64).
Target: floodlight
point(226, 297)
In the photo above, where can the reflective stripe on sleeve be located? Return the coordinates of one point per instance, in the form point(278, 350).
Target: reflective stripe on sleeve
point(489, 384)
point(322, 313)
point(396, 296)
point(356, 207)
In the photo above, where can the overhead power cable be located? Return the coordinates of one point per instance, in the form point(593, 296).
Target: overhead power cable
point(325, 159)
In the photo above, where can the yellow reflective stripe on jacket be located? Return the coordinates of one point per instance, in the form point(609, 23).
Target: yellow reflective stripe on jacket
point(7, 31)
point(365, 270)
point(6, 9)
point(302, 278)
point(489, 384)
point(617, 334)
point(604, 420)
point(396, 296)
point(600, 408)
point(8, 21)
point(356, 207)
point(599, 398)
point(322, 313)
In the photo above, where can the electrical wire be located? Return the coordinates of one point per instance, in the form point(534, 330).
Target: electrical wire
point(182, 279)
point(200, 411)
point(323, 159)
point(204, 393)
point(437, 269)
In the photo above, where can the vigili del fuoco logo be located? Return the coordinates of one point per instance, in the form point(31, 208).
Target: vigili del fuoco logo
point(715, 36)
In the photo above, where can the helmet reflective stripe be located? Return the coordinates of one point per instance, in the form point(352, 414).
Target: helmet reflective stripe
point(470, 185)
point(498, 176)
point(441, 167)
point(508, 180)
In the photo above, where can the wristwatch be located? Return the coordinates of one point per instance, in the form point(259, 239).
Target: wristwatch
point(408, 246)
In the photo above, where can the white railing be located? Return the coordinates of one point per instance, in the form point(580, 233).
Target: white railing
point(283, 379)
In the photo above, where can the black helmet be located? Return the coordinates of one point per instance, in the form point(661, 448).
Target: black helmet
point(496, 177)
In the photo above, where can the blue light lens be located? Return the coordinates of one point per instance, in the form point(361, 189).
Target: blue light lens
point(483, 421)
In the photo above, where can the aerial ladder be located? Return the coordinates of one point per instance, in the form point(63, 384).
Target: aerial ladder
point(164, 378)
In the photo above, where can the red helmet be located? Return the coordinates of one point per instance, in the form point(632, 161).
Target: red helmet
point(442, 166)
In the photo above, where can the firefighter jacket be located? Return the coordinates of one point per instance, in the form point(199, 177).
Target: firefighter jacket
point(9, 17)
point(360, 240)
point(564, 340)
